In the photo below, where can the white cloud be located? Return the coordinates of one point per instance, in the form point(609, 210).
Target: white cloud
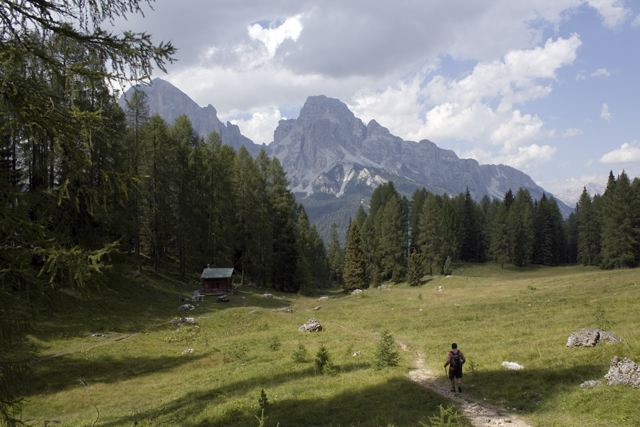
point(601, 72)
point(478, 107)
point(613, 12)
point(636, 22)
point(605, 113)
point(589, 163)
point(572, 132)
point(581, 76)
point(570, 190)
point(627, 153)
point(274, 35)
point(259, 128)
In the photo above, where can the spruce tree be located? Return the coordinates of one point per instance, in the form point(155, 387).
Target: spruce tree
point(355, 269)
point(588, 225)
point(335, 254)
point(415, 270)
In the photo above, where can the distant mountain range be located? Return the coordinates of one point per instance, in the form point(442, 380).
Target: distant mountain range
point(334, 161)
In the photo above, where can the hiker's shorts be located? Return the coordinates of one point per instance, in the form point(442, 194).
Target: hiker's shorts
point(455, 374)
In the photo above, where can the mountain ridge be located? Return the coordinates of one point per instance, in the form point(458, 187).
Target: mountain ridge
point(328, 150)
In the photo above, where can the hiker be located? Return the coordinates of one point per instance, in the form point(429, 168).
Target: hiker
point(455, 359)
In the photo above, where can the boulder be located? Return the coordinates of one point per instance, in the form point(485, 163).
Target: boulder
point(512, 366)
point(186, 307)
point(324, 298)
point(590, 337)
point(317, 308)
point(284, 310)
point(267, 295)
point(589, 384)
point(622, 372)
point(356, 291)
point(312, 325)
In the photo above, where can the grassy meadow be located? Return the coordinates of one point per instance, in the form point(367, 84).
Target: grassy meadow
point(141, 371)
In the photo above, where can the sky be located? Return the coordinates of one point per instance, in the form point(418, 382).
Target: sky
point(548, 87)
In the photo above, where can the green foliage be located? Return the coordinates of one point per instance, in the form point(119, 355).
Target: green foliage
point(415, 270)
point(448, 417)
point(299, 355)
point(447, 270)
point(323, 362)
point(601, 318)
point(355, 272)
point(263, 401)
point(396, 277)
point(274, 343)
point(386, 353)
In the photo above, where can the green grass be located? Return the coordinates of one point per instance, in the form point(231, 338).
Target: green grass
point(138, 374)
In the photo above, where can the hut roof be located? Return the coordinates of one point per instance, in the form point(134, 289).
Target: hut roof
point(216, 273)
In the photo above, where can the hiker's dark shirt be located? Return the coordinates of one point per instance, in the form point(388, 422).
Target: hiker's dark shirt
point(450, 357)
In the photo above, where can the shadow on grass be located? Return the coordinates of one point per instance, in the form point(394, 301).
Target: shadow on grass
point(530, 390)
point(398, 401)
point(64, 372)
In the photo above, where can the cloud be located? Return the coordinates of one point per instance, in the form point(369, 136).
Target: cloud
point(274, 34)
point(636, 22)
point(605, 113)
point(600, 72)
point(478, 107)
point(570, 190)
point(259, 128)
point(613, 12)
point(572, 132)
point(627, 153)
point(581, 76)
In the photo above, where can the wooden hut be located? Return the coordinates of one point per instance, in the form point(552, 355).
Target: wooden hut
point(216, 281)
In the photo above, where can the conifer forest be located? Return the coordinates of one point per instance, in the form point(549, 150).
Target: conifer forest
point(85, 183)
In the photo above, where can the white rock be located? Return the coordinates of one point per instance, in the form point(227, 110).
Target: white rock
point(512, 366)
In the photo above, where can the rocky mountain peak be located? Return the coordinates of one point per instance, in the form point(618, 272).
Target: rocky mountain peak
point(319, 107)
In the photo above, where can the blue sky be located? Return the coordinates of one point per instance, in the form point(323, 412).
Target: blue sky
point(547, 87)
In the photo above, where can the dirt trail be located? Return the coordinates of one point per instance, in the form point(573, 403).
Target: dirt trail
point(480, 414)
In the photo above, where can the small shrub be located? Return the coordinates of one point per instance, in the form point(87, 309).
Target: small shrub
point(300, 354)
point(396, 277)
point(419, 296)
point(274, 344)
point(448, 267)
point(386, 351)
point(447, 418)
point(531, 288)
point(601, 318)
point(322, 359)
point(263, 401)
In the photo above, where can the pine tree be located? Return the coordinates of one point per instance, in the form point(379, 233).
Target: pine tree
point(285, 253)
point(588, 225)
point(392, 237)
point(415, 271)
point(620, 225)
point(336, 255)
point(499, 248)
point(355, 269)
point(431, 240)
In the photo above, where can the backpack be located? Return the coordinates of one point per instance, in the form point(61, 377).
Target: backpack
point(456, 362)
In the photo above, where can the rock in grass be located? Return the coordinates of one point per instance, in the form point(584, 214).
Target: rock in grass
point(356, 291)
point(284, 310)
point(590, 337)
point(512, 366)
point(186, 307)
point(622, 372)
point(312, 325)
point(589, 384)
point(324, 298)
point(267, 295)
